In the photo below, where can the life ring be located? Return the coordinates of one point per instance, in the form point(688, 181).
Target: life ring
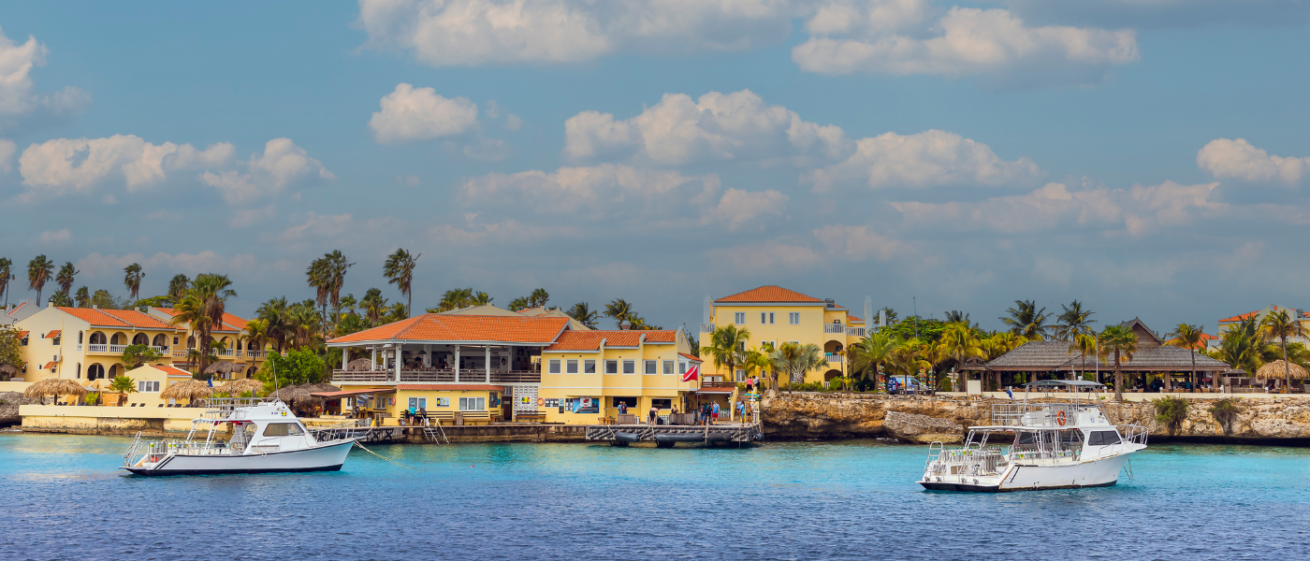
point(541, 402)
point(1059, 417)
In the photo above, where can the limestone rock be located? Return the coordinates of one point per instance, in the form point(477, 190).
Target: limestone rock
point(922, 429)
point(9, 402)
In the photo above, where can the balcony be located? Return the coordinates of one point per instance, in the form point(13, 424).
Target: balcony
point(708, 384)
point(255, 354)
point(834, 357)
point(436, 377)
point(179, 353)
point(224, 352)
point(855, 331)
point(160, 350)
point(834, 328)
point(237, 353)
point(117, 349)
point(707, 328)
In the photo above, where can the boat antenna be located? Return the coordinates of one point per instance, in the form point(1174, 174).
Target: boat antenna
point(275, 388)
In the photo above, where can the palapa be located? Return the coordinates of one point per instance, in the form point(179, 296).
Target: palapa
point(360, 364)
point(238, 387)
point(55, 387)
point(223, 367)
point(189, 390)
point(321, 387)
point(9, 369)
point(291, 394)
point(1278, 370)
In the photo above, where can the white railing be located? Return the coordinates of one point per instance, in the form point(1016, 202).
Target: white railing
point(833, 357)
point(238, 354)
point(223, 353)
point(855, 331)
point(116, 349)
point(97, 348)
point(161, 350)
point(255, 354)
point(179, 354)
point(707, 328)
point(834, 328)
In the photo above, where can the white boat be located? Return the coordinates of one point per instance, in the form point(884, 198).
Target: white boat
point(1049, 444)
point(266, 438)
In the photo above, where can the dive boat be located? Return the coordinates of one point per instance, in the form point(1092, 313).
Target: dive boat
point(266, 438)
point(1049, 444)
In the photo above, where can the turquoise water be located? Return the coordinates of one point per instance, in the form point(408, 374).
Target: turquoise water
point(65, 499)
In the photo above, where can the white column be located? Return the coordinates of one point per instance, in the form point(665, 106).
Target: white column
point(427, 355)
point(488, 364)
point(398, 359)
point(456, 364)
point(374, 366)
point(345, 357)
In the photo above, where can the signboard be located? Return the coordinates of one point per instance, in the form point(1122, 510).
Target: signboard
point(584, 405)
point(550, 402)
point(441, 401)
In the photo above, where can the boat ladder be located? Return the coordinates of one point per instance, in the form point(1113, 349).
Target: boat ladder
point(133, 450)
point(435, 434)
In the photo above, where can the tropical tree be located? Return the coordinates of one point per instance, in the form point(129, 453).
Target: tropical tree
point(337, 267)
point(619, 310)
point(39, 271)
point(1025, 320)
point(583, 313)
point(638, 323)
point(727, 347)
point(1073, 321)
point(956, 316)
point(1122, 343)
point(756, 361)
point(1240, 346)
point(6, 275)
point(481, 299)
point(960, 343)
point(1279, 325)
point(132, 275)
point(178, 285)
point(871, 353)
point(11, 349)
point(123, 385)
point(1086, 344)
point(104, 300)
point(273, 314)
point(348, 303)
point(374, 306)
point(203, 308)
point(66, 277)
point(319, 277)
point(399, 270)
point(256, 333)
point(83, 298)
point(304, 324)
point(134, 356)
point(890, 315)
point(518, 304)
point(296, 367)
point(538, 298)
point(454, 299)
point(795, 359)
point(1188, 337)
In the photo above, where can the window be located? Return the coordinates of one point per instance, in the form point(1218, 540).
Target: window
point(23, 342)
point(770, 318)
point(554, 367)
point(1103, 438)
point(57, 339)
point(631, 402)
point(739, 318)
point(175, 340)
point(682, 367)
point(611, 367)
point(741, 375)
point(794, 318)
point(668, 368)
point(145, 386)
point(572, 366)
point(588, 366)
point(661, 403)
point(650, 368)
point(472, 404)
point(629, 367)
point(283, 429)
point(417, 403)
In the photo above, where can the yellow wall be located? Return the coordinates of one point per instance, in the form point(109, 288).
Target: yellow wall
point(74, 363)
point(402, 400)
point(642, 386)
point(809, 331)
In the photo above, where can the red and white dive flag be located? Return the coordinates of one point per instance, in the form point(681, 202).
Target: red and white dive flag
point(691, 374)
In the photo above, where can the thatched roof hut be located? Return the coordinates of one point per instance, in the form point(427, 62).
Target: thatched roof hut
point(321, 387)
point(360, 364)
point(291, 394)
point(238, 387)
point(189, 390)
point(7, 369)
point(1279, 369)
point(223, 367)
point(54, 387)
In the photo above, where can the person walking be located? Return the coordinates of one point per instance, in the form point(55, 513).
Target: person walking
point(714, 414)
point(654, 414)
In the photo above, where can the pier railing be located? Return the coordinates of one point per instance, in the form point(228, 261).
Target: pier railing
point(1038, 415)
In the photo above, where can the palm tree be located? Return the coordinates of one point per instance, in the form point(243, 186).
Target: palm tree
point(538, 298)
point(1188, 337)
point(177, 287)
point(132, 279)
point(1026, 320)
point(123, 385)
point(39, 270)
point(399, 270)
point(1086, 344)
point(374, 306)
point(256, 333)
point(1239, 347)
point(888, 314)
point(6, 275)
point(907, 359)
point(273, 314)
point(960, 343)
point(518, 304)
point(337, 266)
point(66, 277)
point(481, 299)
point(319, 276)
point(796, 360)
point(190, 310)
point(956, 316)
point(455, 299)
point(871, 353)
point(1122, 342)
point(756, 360)
point(1280, 326)
point(583, 314)
point(620, 311)
point(1073, 321)
point(83, 298)
point(305, 324)
point(206, 301)
point(727, 347)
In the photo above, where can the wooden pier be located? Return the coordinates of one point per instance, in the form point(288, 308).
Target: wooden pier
point(736, 434)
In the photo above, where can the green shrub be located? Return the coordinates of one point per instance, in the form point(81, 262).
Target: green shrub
point(945, 385)
point(1225, 411)
point(1171, 412)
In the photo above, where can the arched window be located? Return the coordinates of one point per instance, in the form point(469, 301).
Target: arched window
point(161, 340)
point(79, 370)
point(79, 340)
point(114, 372)
point(118, 339)
point(98, 338)
point(95, 372)
point(191, 342)
point(250, 345)
point(141, 339)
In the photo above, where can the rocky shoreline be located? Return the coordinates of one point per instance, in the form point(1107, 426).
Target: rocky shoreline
point(1264, 420)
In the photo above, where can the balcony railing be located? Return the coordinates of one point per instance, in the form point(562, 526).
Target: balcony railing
point(160, 350)
point(237, 353)
point(707, 328)
point(179, 353)
point(855, 331)
point(224, 352)
point(708, 384)
point(437, 376)
point(833, 357)
point(255, 354)
point(117, 349)
point(834, 328)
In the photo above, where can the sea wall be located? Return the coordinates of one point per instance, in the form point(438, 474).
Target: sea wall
point(1258, 420)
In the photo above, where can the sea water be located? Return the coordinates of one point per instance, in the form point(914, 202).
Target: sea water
point(65, 498)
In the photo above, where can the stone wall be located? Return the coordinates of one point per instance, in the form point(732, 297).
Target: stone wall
point(1261, 420)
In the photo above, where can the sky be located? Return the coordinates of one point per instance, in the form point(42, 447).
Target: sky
point(1146, 157)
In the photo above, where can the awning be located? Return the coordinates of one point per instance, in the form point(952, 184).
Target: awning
point(348, 393)
point(52, 334)
point(22, 334)
point(450, 387)
point(716, 390)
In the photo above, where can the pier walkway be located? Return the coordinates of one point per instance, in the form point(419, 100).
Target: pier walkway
point(621, 435)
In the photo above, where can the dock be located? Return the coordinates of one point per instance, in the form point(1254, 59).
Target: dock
point(721, 433)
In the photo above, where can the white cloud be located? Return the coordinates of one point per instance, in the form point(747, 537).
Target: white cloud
point(7, 150)
point(717, 126)
point(56, 236)
point(858, 243)
point(763, 258)
point(250, 216)
point(746, 209)
point(1137, 211)
point(927, 159)
point(480, 32)
point(411, 114)
point(1238, 159)
point(315, 226)
point(964, 42)
point(65, 165)
point(509, 231)
point(17, 95)
point(282, 164)
point(593, 193)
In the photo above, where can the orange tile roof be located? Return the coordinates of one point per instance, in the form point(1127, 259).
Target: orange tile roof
point(590, 340)
point(769, 294)
point(16, 308)
point(853, 319)
point(1240, 317)
point(229, 323)
point(444, 327)
point(445, 387)
point(174, 371)
point(1205, 337)
point(692, 358)
point(52, 334)
point(234, 321)
point(49, 365)
point(116, 318)
point(22, 334)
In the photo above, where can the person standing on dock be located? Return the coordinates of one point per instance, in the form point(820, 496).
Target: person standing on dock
point(714, 414)
point(623, 408)
point(654, 414)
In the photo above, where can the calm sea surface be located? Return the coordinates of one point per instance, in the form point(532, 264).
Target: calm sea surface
point(63, 498)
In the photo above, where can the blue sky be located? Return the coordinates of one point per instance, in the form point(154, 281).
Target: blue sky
point(1145, 156)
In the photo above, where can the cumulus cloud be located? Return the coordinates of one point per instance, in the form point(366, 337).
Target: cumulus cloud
point(18, 97)
point(65, 165)
point(858, 243)
point(313, 226)
point(1238, 159)
point(56, 236)
point(282, 164)
point(594, 193)
point(746, 209)
point(480, 32)
point(717, 126)
point(927, 159)
point(7, 150)
point(963, 42)
point(411, 114)
point(1137, 211)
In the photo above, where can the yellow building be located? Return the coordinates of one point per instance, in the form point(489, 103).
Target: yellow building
point(87, 344)
point(150, 381)
point(230, 342)
point(774, 315)
point(586, 375)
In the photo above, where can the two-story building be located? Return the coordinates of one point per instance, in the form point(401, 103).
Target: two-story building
point(775, 315)
point(230, 342)
point(586, 375)
point(88, 343)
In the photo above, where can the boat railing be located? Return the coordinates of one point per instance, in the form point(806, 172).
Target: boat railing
point(1135, 434)
point(353, 428)
point(1046, 451)
point(134, 450)
point(966, 461)
point(1038, 415)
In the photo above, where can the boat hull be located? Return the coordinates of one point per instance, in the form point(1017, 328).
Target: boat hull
point(1103, 472)
point(322, 458)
